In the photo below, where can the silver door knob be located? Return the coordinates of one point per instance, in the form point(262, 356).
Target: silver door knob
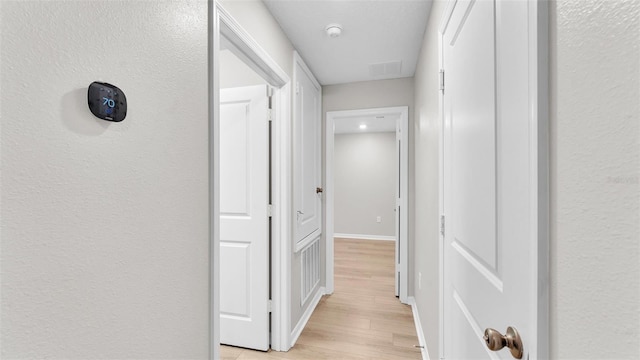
point(496, 341)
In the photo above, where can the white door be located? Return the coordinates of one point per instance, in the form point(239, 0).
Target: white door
point(490, 178)
point(244, 231)
point(307, 167)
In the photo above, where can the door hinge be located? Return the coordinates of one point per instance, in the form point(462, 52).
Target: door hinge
point(269, 210)
point(297, 87)
point(442, 225)
point(269, 305)
point(269, 91)
point(269, 115)
point(442, 80)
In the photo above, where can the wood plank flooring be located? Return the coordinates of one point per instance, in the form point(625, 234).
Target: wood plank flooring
point(362, 319)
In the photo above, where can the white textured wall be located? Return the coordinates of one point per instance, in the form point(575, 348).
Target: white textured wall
point(104, 226)
point(256, 19)
point(365, 171)
point(426, 226)
point(235, 73)
point(595, 170)
point(368, 94)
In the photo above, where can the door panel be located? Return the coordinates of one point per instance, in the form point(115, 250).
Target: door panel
point(235, 164)
point(307, 166)
point(489, 269)
point(466, 349)
point(473, 128)
point(236, 288)
point(244, 232)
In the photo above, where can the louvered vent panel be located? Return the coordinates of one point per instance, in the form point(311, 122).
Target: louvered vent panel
point(310, 259)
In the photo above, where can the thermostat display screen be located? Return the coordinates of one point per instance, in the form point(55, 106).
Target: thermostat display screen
point(107, 101)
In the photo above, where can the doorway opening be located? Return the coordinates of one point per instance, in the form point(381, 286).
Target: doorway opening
point(248, 207)
point(245, 192)
point(393, 120)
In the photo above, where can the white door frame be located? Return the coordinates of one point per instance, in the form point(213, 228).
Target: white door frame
point(538, 13)
point(332, 116)
point(221, 23)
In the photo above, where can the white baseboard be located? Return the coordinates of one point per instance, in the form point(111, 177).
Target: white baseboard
point(365, 237)
point(304, 319)
point(419, 332)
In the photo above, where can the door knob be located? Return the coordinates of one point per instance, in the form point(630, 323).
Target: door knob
point(496, 341)
point(319, 190)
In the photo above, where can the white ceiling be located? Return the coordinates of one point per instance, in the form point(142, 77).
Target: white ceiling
point(374, 32)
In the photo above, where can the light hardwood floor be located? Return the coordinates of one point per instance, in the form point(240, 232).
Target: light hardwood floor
point(362, 319)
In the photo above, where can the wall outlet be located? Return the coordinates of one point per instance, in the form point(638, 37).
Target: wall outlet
point(419, 280)
point(379, 219)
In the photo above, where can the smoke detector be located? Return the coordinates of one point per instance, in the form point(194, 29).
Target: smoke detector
point(333, 30)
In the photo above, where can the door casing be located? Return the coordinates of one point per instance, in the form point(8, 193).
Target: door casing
point(538, 54)
point(221, 23)
point(403, 113)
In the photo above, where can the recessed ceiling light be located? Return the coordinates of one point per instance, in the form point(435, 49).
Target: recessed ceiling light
point(333, 30)
point(363, 126)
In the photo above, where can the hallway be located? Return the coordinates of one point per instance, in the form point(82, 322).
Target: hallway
point(361, 320)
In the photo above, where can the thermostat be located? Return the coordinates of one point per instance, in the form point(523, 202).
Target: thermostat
point(107, 101)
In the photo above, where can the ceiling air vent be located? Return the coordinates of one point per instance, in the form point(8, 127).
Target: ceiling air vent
point(385, 69)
